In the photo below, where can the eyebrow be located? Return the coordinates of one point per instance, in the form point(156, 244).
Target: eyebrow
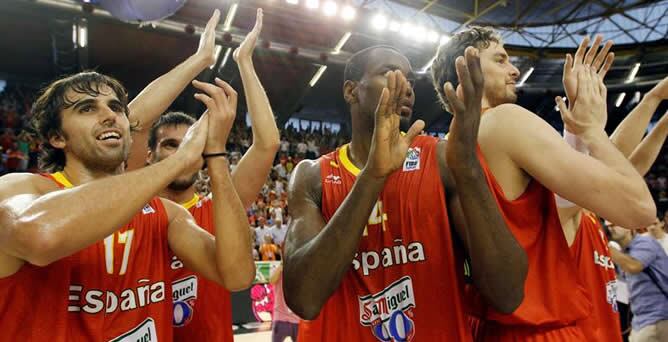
point(83, 103)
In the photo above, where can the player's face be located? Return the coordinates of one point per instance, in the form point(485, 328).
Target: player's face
point(500, 75)
point(656, 228)
point(96, 130)
point(374, 80)
point(169, 138)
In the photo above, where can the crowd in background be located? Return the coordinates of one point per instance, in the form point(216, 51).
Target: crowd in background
point(270, 214)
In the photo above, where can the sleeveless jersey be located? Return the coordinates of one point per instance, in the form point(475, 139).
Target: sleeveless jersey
point(113, 290)
point(592, 258)
point(554, 294)
point(405, 283)
point(202, 308)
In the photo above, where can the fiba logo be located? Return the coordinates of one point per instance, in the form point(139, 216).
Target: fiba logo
point(184, 293)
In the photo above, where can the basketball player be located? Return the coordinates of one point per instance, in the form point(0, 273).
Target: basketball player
point(204, 312)
point(383, 203)
point(583, 230)
point(526, 161)
point(85, 251)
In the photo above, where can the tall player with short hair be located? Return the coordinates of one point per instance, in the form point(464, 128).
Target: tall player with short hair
point(383, 204)
point(525, 162)
point(203, 309)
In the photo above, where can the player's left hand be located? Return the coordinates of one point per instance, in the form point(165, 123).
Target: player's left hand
point(599, 61)
point(221, 103)
point(589, 113)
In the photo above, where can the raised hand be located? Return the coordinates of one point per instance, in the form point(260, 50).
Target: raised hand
point(245, 50)
point(193, 144)
point(388, 145)
point(660, 90)
point(600, 61)
point(463, 134)
point(221, 103)
point(207, 42)
point(589, 113)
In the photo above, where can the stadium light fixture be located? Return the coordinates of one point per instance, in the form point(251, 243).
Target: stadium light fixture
point(317, 75)
point(525, 77)
point(330, 8)
point(348, 13)
point(444, 39)
point(312, 4)
point(341, 43)
point(620, 99)
point(408, 30)
point(74, 33)
point(83, 36)
point(432, 37)
point(230, 17)
point(419, 34)
point(228, 52)
point(379, 22)
point(292, 2)
point(216, 53)
point(394, 26)
point(634, 72)
point(426, 67)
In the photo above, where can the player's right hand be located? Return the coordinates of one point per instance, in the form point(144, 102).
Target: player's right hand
point(193, 143)
point(206, 50)
point(244, 53)
point(463, 134)
point(388, 145)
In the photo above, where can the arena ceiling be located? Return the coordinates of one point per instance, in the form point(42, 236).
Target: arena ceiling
point(298, 40)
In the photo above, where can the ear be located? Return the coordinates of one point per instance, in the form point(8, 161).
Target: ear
point(350, 91)
point(149, 157)
point(57, 141)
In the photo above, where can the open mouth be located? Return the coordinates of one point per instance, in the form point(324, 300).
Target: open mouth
point(109, 136)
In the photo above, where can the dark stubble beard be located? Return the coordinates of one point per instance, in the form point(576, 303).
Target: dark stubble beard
point(182, 185)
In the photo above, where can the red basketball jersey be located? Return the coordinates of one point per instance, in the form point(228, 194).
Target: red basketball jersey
point(202, 308)
point(406, 279)
point(113, 290)
point(592, 258)
point(554, 294)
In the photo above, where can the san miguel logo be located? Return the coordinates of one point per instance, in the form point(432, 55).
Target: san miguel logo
point(388, 311)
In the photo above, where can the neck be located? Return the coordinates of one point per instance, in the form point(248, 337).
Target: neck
point(360, 143)
point(179, 197)
point(77, 173)
point(659, 234)
point(485, 104)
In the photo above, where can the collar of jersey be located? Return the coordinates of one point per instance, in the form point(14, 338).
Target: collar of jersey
point(347, 164)
point(60, 178)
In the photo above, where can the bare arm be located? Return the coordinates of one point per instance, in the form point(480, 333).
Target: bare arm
point(617, 193)
point(225, 258)
point(645, 154)
point(498, 261)
point(255, 165)
point(154, 100)
point(627, 263)
point(40, 229)
point(630, 131)
point(317, 255)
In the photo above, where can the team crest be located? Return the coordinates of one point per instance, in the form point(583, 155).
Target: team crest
point(412, 161)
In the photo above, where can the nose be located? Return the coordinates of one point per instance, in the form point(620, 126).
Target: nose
point(108, 116)
point(514, 72)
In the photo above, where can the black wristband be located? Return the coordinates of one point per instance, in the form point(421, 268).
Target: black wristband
point(211, 155)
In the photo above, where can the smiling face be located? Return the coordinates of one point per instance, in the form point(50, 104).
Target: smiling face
point(95, 130)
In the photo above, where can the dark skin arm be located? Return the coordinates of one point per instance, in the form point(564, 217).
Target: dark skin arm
point(498, 262)
point(318, 254)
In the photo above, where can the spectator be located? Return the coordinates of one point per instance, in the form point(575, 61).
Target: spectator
point(645, 266)
point(7, 139)
point(657, 231)
point(279, 231)
point(262, 231)
point(285, 145)
point(284, 322)
point(301, 149)
point(268, 250)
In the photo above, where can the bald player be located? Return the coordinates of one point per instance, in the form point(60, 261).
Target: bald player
point(381, 225)
point(525, 161)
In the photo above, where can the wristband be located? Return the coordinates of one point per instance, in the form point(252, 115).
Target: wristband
point(212, 155)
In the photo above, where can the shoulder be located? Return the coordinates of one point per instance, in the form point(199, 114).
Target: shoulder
point(173, 210)
point(25, 183)
point(305, 181)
